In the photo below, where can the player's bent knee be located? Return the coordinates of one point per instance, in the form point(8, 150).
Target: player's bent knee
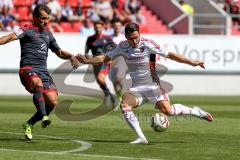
point(37, 82)
point(51, 98)
point(53, 103)
point(168, 112)
point(128, 100)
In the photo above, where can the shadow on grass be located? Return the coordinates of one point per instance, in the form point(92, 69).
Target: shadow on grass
point(16, 140)
point(167, 142)
point(106, 141)
point(127, 141)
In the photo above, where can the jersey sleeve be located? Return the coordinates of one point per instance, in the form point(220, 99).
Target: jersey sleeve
point(53, 44)
point(155, 48)
point(115, 52)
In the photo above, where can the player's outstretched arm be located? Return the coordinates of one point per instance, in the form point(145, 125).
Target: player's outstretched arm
point(65, 55)
point(8, 38)
point(95, 60)
point(182, 59)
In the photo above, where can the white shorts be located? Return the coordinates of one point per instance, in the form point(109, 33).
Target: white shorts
point(148, 92)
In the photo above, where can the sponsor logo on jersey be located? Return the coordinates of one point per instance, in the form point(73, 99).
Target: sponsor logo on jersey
point(43, 47)
point(19, 31)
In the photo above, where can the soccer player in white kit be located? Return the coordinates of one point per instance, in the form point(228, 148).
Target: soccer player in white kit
point(136, 51)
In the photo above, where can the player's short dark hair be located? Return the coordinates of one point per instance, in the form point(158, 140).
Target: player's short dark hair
point(98, 22)
point(40, 7)
point(131, 27)
point(116, 21)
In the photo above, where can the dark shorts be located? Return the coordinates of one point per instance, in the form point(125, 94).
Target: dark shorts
point(27, 73)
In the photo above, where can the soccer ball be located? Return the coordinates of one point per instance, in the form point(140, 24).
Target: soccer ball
point(159, 122)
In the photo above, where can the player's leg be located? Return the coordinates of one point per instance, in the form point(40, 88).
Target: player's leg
point(100, 78)
point(115, 79)
point(119, 93)
point(38, 96)
point(50, 96)
point(117, 74)
point(102, 83)
point(129, 101)
point(35, 86)
point(37, 116)
point(117, 86)
point(51, 99)
point(179, 109)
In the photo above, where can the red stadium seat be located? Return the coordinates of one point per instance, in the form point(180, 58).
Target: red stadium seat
point(77, 26)
point(121, 5)
point(13, 11)
point(18, 2)
point(73, 3)
point(144, 29)
point(235, 31)
point(29, 2)
point(62, 2)
point(66, 26)
point(22, 2)
point(23, 13)
point(154, 24)
point(86, 3)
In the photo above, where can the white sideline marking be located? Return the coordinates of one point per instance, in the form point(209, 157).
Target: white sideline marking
point(84, 146)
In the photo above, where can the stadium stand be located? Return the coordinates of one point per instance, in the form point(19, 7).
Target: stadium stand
point(154, 25)
point(153, 22)
point(22, 11)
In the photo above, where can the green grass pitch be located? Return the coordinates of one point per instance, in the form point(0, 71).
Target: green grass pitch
point(188, 138)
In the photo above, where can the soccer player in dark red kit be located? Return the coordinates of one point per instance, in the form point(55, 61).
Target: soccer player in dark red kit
point(97, 43)
point(35, 40)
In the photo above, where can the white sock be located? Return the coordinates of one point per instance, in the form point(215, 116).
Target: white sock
point(133, 122)
point(179, 109)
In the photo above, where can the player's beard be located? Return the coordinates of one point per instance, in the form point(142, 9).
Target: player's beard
point(134, 45)
point(43, 26)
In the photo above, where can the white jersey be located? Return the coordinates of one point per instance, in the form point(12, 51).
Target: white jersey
point(137, 59)
point(118, 39)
